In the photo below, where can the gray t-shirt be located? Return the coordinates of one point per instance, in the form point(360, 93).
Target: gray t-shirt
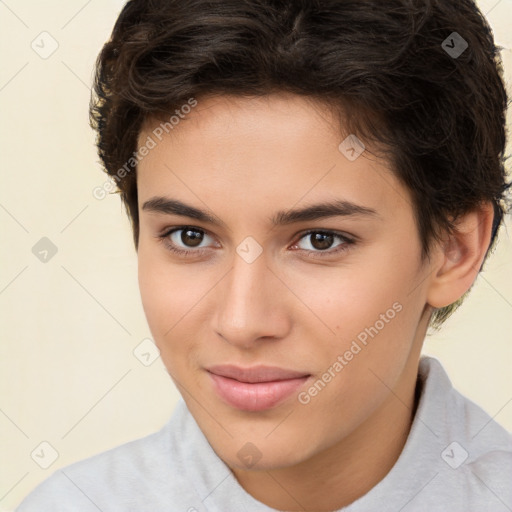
point(456, 458)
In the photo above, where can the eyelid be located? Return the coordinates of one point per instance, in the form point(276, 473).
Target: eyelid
point(168, 231)
point(348, 240)
point(344, 236)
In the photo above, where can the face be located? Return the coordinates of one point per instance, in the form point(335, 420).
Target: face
point(334, 303)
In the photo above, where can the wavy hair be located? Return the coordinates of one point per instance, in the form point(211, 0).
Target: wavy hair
point(382, 67)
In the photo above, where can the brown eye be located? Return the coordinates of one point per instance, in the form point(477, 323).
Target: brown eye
point(322, 241)
point(184, 240)
point(191, 237)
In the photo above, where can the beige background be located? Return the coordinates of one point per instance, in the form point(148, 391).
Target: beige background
point(68, 373)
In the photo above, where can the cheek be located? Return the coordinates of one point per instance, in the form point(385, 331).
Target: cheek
point(348, 300)
point(163, 293)
point(366, 355)
point(171, 298)
point(371, 319)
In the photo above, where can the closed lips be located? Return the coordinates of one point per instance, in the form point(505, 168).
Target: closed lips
point(256, 374)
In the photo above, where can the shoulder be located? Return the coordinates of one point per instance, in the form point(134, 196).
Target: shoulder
point(476, 451)
point(488, 465)
point(455, 415)
point(116, 476)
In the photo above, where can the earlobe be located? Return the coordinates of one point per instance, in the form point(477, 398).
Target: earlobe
point(461, 257)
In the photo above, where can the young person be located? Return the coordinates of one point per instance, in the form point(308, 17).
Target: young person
point(311, 185)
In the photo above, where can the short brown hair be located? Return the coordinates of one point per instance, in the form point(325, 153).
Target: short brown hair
point(385, 68)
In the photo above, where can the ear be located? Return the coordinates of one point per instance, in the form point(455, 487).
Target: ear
point(461, 257)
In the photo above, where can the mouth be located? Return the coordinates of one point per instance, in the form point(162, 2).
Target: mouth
point(257, 388)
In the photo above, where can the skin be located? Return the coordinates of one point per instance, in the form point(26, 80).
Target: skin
point(243, 160)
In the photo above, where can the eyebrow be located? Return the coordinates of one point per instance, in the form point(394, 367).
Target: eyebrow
point(338, 208)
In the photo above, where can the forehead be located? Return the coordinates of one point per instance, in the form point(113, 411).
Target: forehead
point(278, 147)
point(240, 115)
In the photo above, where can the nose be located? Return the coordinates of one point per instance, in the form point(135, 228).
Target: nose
point(251, 304)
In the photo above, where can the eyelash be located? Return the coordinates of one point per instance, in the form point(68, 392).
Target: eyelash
point(347, 242)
